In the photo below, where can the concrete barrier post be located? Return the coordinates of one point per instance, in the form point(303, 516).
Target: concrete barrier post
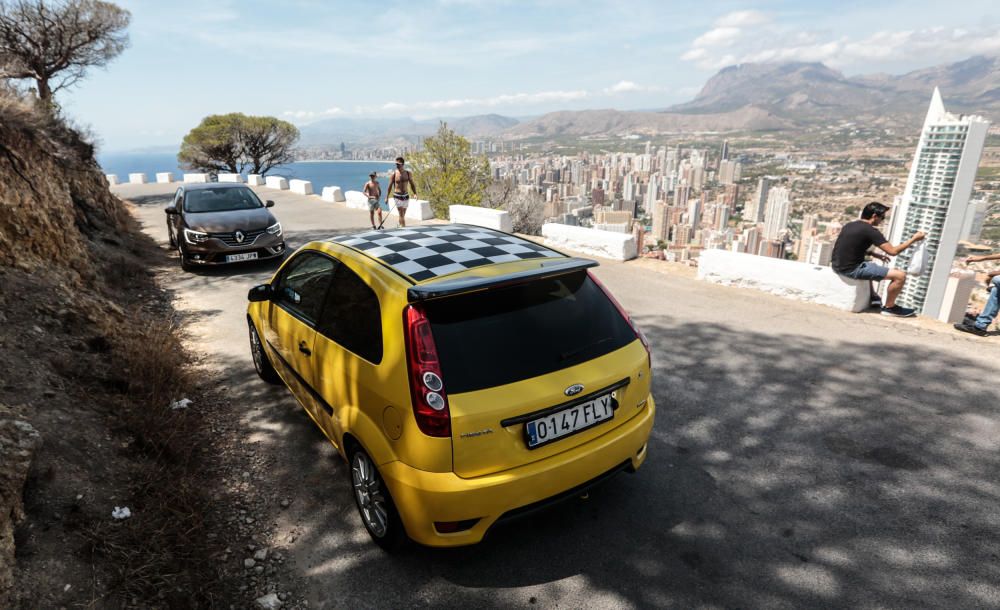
point(482, 217)
point(231, 178)
point(276, 182)
point(196, 178)
point(137, 178)
point(957, 293)
point(112, 179)
point(164, 177)
point(302, 187)
point(255, 180)
point(617, 246)
point(332, 194)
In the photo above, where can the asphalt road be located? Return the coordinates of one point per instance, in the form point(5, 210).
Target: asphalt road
point(802, 457)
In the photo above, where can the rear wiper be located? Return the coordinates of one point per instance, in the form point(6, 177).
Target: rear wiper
point(570, 354)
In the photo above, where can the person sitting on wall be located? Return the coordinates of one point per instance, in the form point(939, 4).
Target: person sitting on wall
point(854, 242)
point(979, 325)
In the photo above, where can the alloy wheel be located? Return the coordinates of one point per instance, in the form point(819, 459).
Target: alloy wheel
point(369, 494)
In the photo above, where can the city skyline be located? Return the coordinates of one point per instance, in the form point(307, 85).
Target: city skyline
point(305, 61)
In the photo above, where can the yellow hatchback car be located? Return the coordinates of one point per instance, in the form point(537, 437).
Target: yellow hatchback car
point(468, 376)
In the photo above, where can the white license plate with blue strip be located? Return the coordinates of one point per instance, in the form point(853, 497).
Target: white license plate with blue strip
point(569, 421)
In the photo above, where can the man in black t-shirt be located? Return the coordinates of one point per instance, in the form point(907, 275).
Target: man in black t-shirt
point(854, 242)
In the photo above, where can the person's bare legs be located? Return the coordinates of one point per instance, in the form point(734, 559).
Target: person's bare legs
point(896, 277)
point(380, 221)
point(402, 216)
point(371, 217)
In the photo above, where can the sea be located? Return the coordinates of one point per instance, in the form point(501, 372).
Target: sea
point(348, 175)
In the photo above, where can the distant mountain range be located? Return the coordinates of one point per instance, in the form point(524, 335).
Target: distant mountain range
point(755, 97)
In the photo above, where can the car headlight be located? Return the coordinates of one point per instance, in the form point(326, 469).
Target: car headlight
point(275, 229)
point(194, 237)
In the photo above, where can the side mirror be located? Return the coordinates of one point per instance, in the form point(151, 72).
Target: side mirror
point(171, 209)
point(259, 293)
point(268, 204)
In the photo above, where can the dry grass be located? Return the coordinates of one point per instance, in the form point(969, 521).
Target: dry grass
point(162, 554)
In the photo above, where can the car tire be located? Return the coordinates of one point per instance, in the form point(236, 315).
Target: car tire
point(171, 238)
point(260, 360)
point(375, 506)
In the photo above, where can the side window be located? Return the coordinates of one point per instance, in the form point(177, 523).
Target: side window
point(303, 284)
point(352, 316)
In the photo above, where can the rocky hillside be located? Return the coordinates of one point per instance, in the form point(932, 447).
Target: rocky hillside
point(90, 362)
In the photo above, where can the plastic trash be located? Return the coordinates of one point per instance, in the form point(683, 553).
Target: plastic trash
point(121, 512)
point(180, 404)
point(918, 262)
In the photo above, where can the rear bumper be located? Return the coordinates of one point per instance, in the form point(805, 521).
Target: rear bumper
point(424, 498)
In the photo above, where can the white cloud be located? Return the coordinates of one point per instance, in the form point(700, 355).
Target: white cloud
point(305, 115)
point(741, 19)
point(718, 37)
point(732, 41)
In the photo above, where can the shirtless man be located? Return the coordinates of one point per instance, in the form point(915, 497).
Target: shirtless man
point(401, 186)
point(373, 190)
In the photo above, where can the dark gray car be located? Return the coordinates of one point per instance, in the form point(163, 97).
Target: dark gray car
point(214, 224)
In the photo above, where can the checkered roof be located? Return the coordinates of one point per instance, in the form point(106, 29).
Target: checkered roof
point(430, 251)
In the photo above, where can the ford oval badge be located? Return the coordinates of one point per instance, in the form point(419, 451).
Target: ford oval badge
point(573, 390)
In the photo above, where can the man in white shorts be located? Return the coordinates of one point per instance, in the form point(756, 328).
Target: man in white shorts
point(401, 186)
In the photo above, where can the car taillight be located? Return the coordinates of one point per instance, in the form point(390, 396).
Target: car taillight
point(621, 310)
point(430, 402)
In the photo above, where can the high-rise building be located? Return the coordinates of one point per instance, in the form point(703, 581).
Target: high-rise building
point(758, 203)
point(776, 214)
point(974, 219)
point(724, 155)
point(694, 213)
point(597, 196)
point(936, 200)
point(730, 172)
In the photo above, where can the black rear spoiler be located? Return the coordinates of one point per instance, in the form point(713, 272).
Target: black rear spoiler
point(445, 288)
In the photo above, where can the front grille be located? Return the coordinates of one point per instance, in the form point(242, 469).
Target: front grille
point(249, 237)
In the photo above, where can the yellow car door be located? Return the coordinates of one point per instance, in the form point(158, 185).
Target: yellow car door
point(291, 316)
point(349, 349)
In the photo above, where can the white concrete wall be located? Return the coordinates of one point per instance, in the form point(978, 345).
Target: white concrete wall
point(199, 178)
point(618, 246)
point(483, 217)
point(302, 187)
point(276, 182)
point(255, 180)
point(332, 194)
point(112, 179)
point(790, 279)
point(231, 178)
point(137, 178)
point(164, 177)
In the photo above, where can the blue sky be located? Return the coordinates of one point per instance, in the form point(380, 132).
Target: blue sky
point(305, 60)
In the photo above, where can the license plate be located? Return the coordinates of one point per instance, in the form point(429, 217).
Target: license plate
point(569, 421)
point(245, 256)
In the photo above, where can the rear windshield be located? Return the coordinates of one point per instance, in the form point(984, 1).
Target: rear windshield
point(490, 338)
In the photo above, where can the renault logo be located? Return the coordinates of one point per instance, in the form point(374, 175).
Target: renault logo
point(240, 237)
point(573, 390)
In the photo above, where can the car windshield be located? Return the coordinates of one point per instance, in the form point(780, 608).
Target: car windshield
point(494, 337)
point(222, 199)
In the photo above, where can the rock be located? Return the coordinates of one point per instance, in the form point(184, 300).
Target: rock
point(18, 441)
point(260, 555)
point(249, 563)
point(285, 503)
point(268, 602)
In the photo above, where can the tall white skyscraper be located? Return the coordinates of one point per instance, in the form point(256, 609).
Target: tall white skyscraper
point(936, 200)
point(776, 215)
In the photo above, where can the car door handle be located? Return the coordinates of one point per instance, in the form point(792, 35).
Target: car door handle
point(305, 350)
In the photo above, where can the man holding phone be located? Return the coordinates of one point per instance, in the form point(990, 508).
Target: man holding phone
point(989, 312)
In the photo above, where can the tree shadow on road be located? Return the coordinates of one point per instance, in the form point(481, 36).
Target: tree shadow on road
point(783, 471)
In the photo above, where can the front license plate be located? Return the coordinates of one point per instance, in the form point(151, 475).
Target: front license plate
point(245, 256)
point(569, 421)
